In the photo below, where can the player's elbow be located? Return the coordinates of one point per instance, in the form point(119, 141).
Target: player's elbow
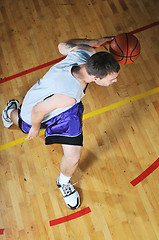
point(62, 48)
point(37, 111)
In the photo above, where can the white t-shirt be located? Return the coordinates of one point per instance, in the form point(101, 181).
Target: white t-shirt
point(58, 79)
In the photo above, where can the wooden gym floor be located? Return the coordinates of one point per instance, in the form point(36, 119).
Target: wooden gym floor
point(120, 142)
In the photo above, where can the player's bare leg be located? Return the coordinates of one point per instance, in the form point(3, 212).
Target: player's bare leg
point(14, 117)
point(68, 166)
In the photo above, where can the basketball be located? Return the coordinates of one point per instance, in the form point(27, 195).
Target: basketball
point(125, 48)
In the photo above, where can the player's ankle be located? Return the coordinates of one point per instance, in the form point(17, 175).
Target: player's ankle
point(63, 179)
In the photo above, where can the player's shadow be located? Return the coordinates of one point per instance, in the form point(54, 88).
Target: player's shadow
point(87, 161)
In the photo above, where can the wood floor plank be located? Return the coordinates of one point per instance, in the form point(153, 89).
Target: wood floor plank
point(118, 145)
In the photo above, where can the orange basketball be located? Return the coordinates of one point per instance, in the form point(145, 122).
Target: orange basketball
point(125, 48)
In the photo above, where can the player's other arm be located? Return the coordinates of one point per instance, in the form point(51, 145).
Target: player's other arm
point(86, 44)
point(42, 108)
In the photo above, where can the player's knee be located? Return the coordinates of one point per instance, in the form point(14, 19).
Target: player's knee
point(73, 159)
point(72, 154)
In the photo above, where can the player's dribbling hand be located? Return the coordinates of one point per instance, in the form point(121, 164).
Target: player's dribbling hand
point(32, 133)
point(103, 41)
point(108, 40)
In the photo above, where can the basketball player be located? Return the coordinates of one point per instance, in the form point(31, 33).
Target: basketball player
point(54, 104)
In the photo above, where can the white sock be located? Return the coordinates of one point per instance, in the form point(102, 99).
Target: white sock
point(64, 179)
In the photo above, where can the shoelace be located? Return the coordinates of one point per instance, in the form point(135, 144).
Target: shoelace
point(68, 189)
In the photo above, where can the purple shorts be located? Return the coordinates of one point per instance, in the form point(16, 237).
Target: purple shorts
point(65, 128)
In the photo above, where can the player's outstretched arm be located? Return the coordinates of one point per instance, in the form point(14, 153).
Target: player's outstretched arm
point(86, 44)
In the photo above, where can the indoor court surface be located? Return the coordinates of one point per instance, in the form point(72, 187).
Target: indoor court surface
point(118, 175)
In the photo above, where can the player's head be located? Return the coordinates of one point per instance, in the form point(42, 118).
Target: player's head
point(102, 63)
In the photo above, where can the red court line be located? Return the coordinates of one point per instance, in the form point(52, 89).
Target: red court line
point(145, 27)
point(147, 172)
point(31, 70)
point(70, 217)
point(1, 231)
point(59, 59)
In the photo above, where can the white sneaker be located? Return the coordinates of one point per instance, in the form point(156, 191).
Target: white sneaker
point(11, 104)
point(70, 195)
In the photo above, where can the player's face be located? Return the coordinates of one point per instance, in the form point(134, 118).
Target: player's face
point(107, 80)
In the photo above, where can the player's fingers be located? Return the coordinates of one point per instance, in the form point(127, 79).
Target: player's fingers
point(28, 137)
point(109, 39)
